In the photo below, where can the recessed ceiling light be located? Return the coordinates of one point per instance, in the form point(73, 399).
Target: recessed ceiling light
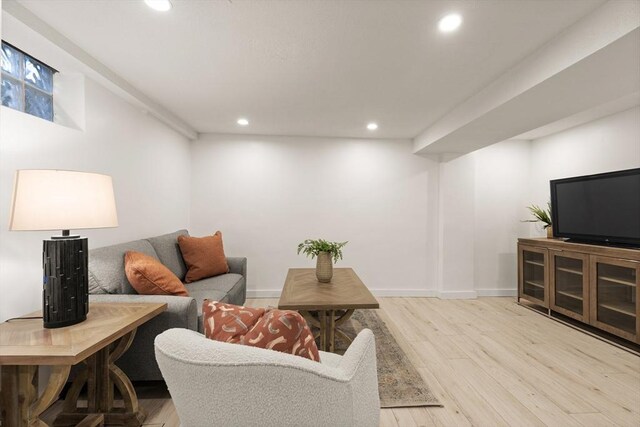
point(161, 5)
point(243, 122)
point(450, 22)
point(372, 126)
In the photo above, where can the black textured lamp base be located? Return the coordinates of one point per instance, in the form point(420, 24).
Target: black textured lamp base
point(65, 294)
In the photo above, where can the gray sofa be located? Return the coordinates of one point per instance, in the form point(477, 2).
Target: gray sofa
point(108, 283)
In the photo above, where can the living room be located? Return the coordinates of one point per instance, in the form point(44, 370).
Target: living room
point(416, 131)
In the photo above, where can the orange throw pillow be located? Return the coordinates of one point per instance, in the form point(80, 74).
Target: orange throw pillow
point(204, 256)
point(285, 331)
point(279, 330)
point(149, 277)
point(228, 322)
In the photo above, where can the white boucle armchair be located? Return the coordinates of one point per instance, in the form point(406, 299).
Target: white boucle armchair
point(219, 384)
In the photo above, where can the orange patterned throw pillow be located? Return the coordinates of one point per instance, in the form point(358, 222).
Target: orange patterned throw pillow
point(149, 277)
point(280, 330)
point(285, 331)
point(228, 322)
point(204, 256)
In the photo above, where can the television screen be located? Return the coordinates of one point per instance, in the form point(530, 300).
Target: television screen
point(603, 207)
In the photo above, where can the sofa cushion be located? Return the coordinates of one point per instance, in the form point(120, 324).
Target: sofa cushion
point(148, 276)
point(166, 246)
point(204, 256)
point(106, 267)
point(224, 283)
point(238, 294)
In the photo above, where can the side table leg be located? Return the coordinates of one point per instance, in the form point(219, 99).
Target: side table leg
point(19, 387)
point(122, 382)
point(57, 380)
point(20, 403)
point(99, 391)
point(101, 376)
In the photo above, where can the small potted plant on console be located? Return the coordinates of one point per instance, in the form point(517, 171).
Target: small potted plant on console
point(543, 216)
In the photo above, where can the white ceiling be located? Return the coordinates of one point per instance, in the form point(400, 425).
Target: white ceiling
point(321, 68)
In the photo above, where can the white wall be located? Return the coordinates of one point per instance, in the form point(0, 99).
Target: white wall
point(501, 180)
point(415, 226)
point(264, 193)
point(267, 194)
point(482, 202)
point(456, 234)
point(608, 144)
point(149, 164)
point(484, 194)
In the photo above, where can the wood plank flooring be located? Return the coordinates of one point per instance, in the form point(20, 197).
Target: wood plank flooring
point(494, 363)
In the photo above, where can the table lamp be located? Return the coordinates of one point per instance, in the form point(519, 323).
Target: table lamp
point(63, 200)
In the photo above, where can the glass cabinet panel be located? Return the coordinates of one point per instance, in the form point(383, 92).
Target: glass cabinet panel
point(533, 274)
point(569, 284)
point(616, 294)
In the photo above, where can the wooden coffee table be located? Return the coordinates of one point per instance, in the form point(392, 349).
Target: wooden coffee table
point(326, 305)
point(97, 342)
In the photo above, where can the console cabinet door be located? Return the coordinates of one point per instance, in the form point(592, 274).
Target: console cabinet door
point(569, 284)
point(614, 296)
point(533, 280)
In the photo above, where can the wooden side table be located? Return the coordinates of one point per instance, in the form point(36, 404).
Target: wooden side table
point(97, 342)
point(326, 305)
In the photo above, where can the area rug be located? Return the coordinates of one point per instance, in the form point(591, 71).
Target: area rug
point(399, 383)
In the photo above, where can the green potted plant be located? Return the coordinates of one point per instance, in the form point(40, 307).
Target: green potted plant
point(326, 252)
point(542, 215)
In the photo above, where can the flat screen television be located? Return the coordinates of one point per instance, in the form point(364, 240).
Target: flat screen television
point(598, 208)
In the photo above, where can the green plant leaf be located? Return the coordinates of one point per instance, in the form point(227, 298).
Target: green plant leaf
point(311, 248)
point(540, 215)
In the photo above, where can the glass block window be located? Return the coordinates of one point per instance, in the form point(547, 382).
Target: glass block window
point(27, 84)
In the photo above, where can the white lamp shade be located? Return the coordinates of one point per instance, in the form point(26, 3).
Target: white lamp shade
point(62, 200)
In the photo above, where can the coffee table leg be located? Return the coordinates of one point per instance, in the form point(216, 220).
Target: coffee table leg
point(19, 401)
point(101, 376)
point(323, 330)
point(331, 328)
point(339, 321)
point(328, 323)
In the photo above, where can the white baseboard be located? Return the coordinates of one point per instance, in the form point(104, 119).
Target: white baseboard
point(423, 293)
point(497, 292)
point(264, 293)
point(457, 295)
point(275, 293)
point(405, 292)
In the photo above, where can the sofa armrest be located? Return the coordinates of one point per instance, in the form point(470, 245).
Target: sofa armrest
point(238, 265)
point(181, 312)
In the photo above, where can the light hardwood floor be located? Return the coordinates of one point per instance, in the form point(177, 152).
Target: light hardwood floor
point(494, 363)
